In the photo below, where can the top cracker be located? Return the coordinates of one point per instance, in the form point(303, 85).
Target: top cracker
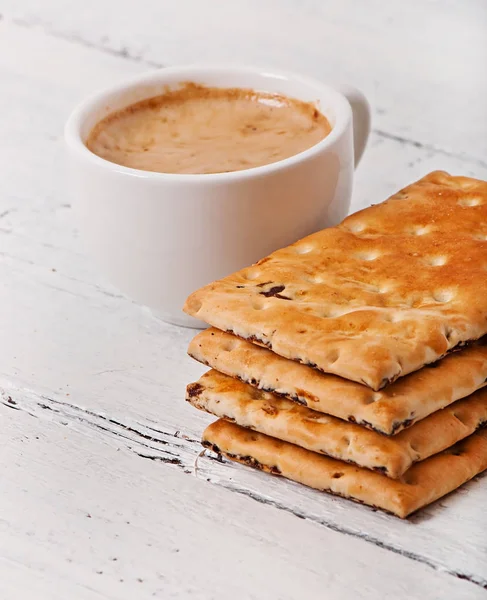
point(392, 288)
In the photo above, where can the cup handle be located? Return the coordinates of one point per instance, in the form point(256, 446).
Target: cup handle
point(361, 119)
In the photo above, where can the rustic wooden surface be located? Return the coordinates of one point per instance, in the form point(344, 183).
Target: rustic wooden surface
point(99, 495)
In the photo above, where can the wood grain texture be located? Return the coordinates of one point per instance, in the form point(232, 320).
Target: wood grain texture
point(82, 518)
point(101, 383)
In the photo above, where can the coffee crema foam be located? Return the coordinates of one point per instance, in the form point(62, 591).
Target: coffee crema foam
point(198, 129)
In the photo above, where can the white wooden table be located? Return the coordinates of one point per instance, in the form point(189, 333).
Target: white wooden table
point(99, 497)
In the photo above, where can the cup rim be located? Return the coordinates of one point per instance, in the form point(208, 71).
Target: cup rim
point(72, 129)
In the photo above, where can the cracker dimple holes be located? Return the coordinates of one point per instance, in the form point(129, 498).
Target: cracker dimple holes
point(472, 201)
point(368, 255)
point(330, 312)
point(332, 356)
point(251, 274)
point(259, 304)
point(413, 447)
point(448, 333)
point(194, 305)
point(482, 237)
point(230, 345)
point(436, 261)
point(357, 227)
point(327, 314)
point(408, 479)
point(334, 312)
point(466, 184)
point(314, 279)
point(337, 475)
point(392, 317)
point(372, 397)
point(420, 230)
point(304, 248)
point(459, 417)
point(443, 296)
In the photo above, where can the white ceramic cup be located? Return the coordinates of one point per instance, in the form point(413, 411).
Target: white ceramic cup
point(160, 236)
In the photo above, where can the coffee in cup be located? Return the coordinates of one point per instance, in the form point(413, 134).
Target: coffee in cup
point(199, 129)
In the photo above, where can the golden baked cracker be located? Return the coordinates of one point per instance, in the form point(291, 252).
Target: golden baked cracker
point(424, 483)
point(390, 410)
point(242, 404)
point(392, 288)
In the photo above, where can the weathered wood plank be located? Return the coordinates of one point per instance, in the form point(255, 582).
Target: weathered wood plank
point(447, 536)
point(82, 518)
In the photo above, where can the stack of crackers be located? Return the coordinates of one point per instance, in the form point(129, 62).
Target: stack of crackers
point(353, 361)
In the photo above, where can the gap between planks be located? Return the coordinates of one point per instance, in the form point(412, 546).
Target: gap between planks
point(185, 453)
